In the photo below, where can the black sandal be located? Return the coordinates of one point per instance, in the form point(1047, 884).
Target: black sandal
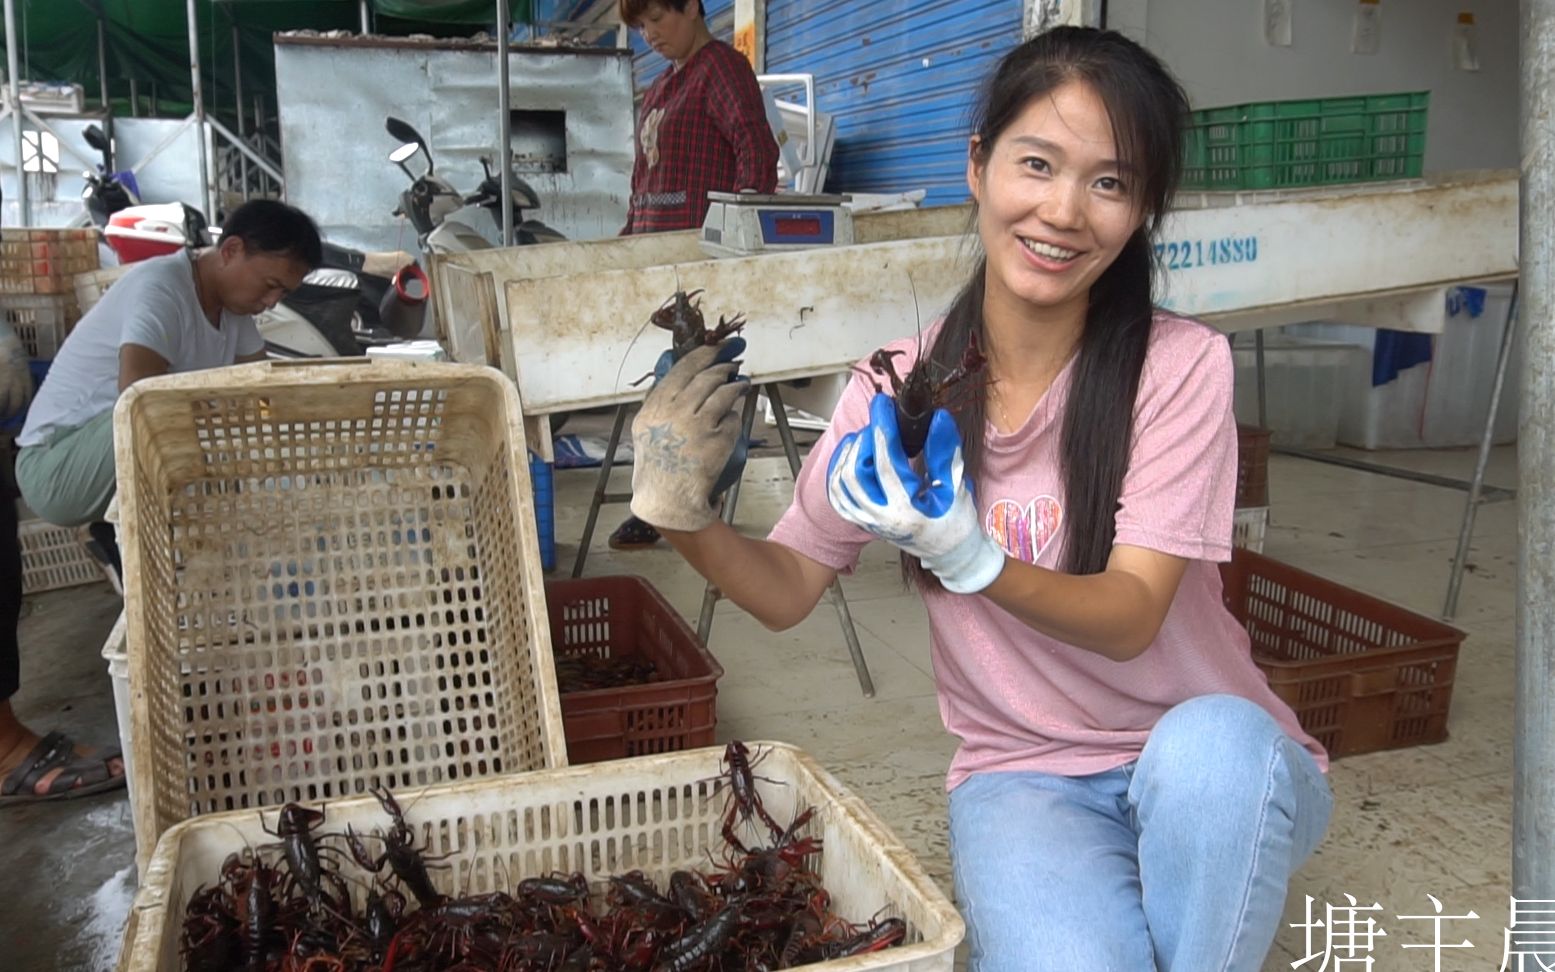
point(633, 534)
point(80, 775)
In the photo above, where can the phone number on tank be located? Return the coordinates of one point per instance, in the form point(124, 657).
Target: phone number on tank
point(1188, 254)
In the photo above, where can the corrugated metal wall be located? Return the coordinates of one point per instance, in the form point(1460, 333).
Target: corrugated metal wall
point(900, 76)
point(647, 65)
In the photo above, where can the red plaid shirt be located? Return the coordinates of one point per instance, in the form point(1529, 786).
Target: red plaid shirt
point(702, 129)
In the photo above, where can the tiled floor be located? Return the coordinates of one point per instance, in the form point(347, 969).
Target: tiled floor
point(1407, 824)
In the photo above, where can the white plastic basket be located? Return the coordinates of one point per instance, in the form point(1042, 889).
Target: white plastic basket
point(54, 557)
point(652, 813)
point(1248, 526)
point(119, 674)
point(90, 287)
point(41, 321)
point(332, 582)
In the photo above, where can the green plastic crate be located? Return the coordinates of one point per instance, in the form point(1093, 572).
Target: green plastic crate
point(1321, 142)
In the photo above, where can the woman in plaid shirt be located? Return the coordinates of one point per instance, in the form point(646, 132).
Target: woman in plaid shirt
point(703, 128)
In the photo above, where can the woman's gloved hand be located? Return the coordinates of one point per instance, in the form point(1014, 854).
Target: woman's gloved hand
point(871, 483)
point(684, 437)
point(15, 374)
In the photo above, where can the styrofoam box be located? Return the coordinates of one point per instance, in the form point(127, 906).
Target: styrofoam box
point(119, 674)
point(1439, 405)
point(1302, 382)
point(652, 813)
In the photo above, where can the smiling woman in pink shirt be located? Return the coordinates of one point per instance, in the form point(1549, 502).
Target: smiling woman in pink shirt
point(1128, 793)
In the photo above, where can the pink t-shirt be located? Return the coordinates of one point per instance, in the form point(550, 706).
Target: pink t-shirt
point(1018, 699)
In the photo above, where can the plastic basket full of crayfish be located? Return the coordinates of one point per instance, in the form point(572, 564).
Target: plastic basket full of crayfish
point(332, 584)
point(737, 858)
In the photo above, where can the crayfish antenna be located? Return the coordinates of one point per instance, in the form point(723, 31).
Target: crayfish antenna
point(622, 366)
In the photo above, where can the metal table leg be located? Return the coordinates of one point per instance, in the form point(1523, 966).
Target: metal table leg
point(1263, 401)
point(600, 494)
point(1471, 506)
point(849, 632)
point(710, 593)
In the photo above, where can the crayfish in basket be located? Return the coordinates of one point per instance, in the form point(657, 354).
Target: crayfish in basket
point(290, 907)
point(919, 393)
point(681, 315)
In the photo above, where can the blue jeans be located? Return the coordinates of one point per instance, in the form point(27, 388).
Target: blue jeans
point(1177, 862)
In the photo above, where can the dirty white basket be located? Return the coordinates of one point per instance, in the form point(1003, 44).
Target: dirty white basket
point(90, 287)
point(332, 581)
point(652, 813)
point(54, 557)
point(1248, 526)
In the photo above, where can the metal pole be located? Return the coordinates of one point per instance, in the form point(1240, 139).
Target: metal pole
point(1262, 375)
point(13, 75)
point(206, 202)
point(866, 684)
point(237, 86)
point(362, 8)
point(1471, 507)
point(102, 62)
point(504, 122)
point(134, 98)
point(260, 130)
point(1533, 748)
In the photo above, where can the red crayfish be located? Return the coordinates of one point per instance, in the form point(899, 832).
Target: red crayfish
point(683, 319)
point(289, 907)
point(918, 394)
point(681, 315)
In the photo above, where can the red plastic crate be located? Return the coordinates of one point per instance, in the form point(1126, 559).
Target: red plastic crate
point(622, 618)
point(1252, 466)
point(1360, 673)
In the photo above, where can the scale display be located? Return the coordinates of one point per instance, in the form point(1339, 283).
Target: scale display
point(744, 224)
point(815, 226)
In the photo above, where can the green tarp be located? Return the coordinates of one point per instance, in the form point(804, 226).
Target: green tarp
point(148, 40)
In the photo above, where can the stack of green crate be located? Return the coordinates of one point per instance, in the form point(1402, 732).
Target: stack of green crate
point(1286, 144)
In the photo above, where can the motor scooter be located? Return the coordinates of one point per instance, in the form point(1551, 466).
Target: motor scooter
point(335, 312)
point(106, 191)
point(438, 211)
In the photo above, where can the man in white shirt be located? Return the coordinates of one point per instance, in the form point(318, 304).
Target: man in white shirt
point(184, 312)
point(178, 313)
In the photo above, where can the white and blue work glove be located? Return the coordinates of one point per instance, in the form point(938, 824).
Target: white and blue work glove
point(684, 438)
point(15, 373)
point(871, 483)
point(728, 350)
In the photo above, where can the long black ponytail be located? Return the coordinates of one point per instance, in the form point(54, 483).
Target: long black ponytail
point(1148, 109)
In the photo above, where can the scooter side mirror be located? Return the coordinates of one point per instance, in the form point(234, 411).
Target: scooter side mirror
point(404, 153)
point(402, 130)
point(406, 134)
point(94, 137)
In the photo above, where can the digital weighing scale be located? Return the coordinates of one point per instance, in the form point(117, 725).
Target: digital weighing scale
point(747, 223)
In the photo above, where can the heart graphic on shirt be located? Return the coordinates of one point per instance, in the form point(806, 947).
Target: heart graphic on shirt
point(650, 136)
point(1025, 531)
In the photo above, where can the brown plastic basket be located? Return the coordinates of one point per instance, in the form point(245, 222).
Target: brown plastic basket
point(622, 618)
point(332, 581)
point(1252, 466)
point(1360, 673)
point(43, 261)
